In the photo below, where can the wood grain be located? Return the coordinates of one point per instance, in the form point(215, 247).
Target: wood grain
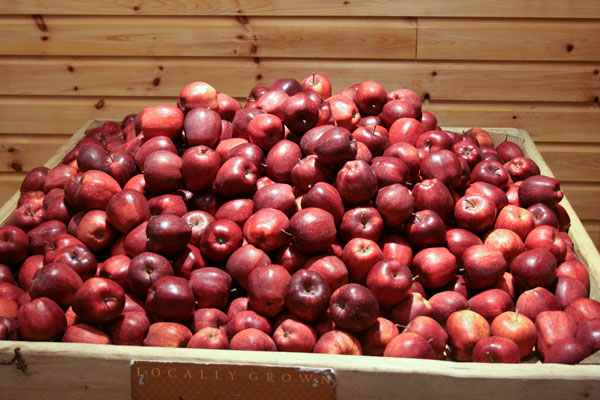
point(584, 198)
point(25, 152)
point(545, 122)
point(499, 39)
point(63, 115)
point(381, 38)
point(572, 162)
point(75, 370)
point(396, 8)
point(593, 229)
point(572, 82)
point(10, 182)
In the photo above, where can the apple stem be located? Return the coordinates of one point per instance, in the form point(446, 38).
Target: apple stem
point(313, 79)
point(286, 232)
point(263, 165)
point(414, 278)
point(402, 326)
point(489, 356)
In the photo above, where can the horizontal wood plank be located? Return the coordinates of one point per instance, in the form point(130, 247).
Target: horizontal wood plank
point(381, 38)
point(500, 39)
point(593, 229)
point(544, 122)
point(434, 8)
point(25, 152)
point(573, 82)
point(10, 182)
point(64, 115)
point(584, 198)
point(572, 162)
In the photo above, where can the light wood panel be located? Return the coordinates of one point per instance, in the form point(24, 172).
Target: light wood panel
point(584, 197)
point(64, 115)
point(593, 229)
point(573, 82)
point(545, 122)
point(494, 39)
point(9, 184)
point(381, 38)
point(25, 152)
point(435, 8)
point(572, 162)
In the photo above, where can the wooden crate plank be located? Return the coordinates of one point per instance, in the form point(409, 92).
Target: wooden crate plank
point(23, 152)
point(567, 82)
point(103, 372)
point(544, 122)
point(501, 39)
point(572, 162)
point(584, 198)
point(381, 38)
point(433, 8)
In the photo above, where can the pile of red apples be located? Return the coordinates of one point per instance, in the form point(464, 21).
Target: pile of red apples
point(300, 222)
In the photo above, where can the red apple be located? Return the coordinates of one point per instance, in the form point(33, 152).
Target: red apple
point(465, 328)
point(496, 349)
point(307, 295)
point(296, 336)
point(411, 307)
point(318, 83)
point(167, 334)
point(435, 267)
point(266, 288)
point(312, 230)
point(475, 212)
point(338, 342)
point(243, 260)
point(409, 345)
point(516, 219)
point(491, 303)
point(532, 302)
point(548, 238)
point(198, 94)
point(445, 303)
point(221, 238)
point(83, 333)
point(353, 308)
point(540, 189)
point(41, 320)
point(552, 326)
point(517, 327)
point(267, 229)
point(534, 268)
point(425, 228)
point(14, 245)
point(209, 338)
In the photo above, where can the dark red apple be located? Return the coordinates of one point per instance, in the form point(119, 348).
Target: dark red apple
point(221, 238)
point(266, 288)
point(534, 268)
point(171, 299)
point(434, 267)
point(409, 345)
point(540, 189)
point(425, 228)
point(243, 260)
point(41, 320)
point(167, 334)
point(475, 213)
point(353, 307)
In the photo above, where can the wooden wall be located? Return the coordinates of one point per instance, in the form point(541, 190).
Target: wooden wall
point(531, 64)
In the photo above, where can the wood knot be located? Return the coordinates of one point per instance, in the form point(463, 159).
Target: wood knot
point(259, 77)
point(514, 117)
point(596, 72)
point(70, 68)
point(40, 23)
point(44, 38)
point(17, 360)
point(99, 104)
point(242, 19)
point(11, 149)
point(434, 73)
point(136, 8)
point(253, 48)
point(16, 166)
point(156, 82)
point(160, 67)
point(256, 60)
point(76, 88)
point(570, 47)
point(426, 96)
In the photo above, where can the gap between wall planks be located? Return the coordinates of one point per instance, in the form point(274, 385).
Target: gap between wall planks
point(396, 8)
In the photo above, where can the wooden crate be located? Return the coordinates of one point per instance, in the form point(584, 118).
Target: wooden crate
point(75, 371)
